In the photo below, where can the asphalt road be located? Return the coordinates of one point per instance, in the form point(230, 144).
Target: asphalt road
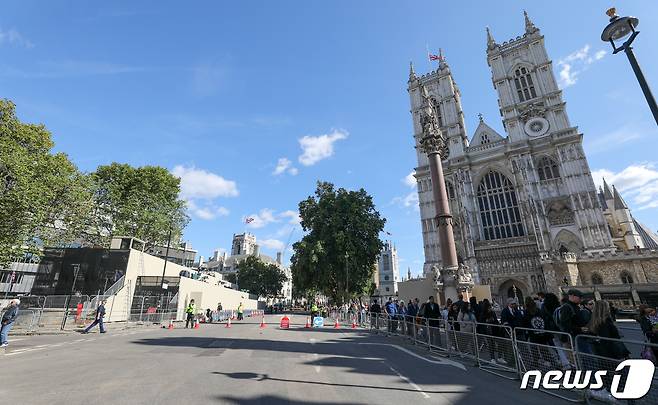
point(242, 365)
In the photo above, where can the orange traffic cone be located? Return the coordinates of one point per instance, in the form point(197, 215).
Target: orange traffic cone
point(262, 322)
point(308, 324)
point(353, 324)
point(228, 324)
point(171, 325)
point(336, 325)
point(196, 324)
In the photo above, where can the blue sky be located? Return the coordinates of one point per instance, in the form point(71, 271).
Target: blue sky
point(253, 102)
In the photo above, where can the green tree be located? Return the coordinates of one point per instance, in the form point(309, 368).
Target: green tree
point(44, 199)
point(260, 278)
point(342, 243)
point(142, 202)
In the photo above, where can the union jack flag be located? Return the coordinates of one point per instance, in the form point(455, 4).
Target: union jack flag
point(249, 220)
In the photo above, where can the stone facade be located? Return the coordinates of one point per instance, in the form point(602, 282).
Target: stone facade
point(526, 212)
point(388, 271)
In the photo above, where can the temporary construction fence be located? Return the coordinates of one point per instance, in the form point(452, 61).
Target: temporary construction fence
point(510, 353)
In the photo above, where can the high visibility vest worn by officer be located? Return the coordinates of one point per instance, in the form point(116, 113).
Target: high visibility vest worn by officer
point(190, 309)
point(314, 308)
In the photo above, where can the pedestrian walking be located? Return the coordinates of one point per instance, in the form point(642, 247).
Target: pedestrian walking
point(98, 320)
point(189, 314)
point(208, 315)
point(240, 312)
point(8, 319)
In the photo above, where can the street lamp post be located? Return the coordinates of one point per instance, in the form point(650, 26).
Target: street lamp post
point(434, 144)
point(622, 27)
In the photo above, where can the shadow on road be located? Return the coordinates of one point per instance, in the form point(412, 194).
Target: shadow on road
point(274, 400)
point(266, 377)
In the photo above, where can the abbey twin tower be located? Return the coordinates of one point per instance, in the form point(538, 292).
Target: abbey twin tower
point(527, 216)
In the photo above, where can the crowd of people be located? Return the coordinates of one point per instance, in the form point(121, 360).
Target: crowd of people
point(551, 328)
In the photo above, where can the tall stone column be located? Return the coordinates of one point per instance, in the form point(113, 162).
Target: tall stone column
point(433, 143)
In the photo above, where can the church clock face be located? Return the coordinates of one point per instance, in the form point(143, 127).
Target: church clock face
point(536, 126)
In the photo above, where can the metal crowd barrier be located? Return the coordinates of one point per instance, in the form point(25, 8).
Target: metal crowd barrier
point(547, 351)
point(510, 353)
point(593, 354)
point(496, 352)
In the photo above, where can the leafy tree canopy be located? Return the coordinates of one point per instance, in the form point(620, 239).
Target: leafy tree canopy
point(336, 257)
point(260, 278)
point(142, 202)
point(44, 199)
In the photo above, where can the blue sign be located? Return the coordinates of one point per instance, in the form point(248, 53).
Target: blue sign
point(318, 322)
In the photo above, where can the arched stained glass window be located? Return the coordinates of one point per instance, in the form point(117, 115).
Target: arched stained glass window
point(525, 89)
point(547, 168)
point(499, 208)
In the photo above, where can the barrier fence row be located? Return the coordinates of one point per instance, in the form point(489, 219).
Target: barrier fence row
point(39, 314)
point(510, 353)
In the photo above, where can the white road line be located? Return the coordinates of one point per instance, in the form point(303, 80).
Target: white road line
point(414, 385)
point(24, 351)
point(444, 362)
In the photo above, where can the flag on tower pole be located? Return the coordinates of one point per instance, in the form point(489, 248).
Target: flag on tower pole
point(438, 57)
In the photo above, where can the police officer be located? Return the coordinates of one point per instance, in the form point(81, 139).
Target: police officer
point(190, 311)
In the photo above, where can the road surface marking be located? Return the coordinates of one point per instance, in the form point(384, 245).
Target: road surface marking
point(413, 385)
point(442, 361)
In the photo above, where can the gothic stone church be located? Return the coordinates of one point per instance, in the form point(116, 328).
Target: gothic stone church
point(527, 215)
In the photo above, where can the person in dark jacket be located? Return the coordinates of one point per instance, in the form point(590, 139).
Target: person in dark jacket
point(648, 328)
point(570, 320)
point(511, 315)
point(475, 307)
point(602, 325)
point(8, 319)
point(412, 312)
point(100, 313)
point(536, 319)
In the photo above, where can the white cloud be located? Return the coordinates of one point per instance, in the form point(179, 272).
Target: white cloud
point(410, 180)
point(639, 182)
point(273, 244)
point(293, 215)
point(263, 218)
point(317, 148)
point(408, 201)
point(208, 212)
point(285, 165)
point(200, 188)
point(614, 139)
point(199, 183)
point(13, 37)
point(572, 65)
